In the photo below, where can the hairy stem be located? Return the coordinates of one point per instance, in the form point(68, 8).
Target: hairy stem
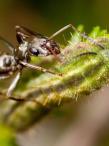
point(82, 74)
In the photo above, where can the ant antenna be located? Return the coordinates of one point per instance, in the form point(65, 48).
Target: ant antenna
point(8, 44)
point(84, 35)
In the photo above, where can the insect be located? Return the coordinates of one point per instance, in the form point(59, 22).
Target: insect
point(31, 43)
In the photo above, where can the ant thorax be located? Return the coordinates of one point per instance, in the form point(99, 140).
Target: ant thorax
point(23, 48)
point(22, 53)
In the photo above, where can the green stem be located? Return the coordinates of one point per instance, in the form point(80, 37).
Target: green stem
point(81, 76)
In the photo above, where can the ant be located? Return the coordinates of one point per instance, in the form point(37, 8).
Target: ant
point(31, 43)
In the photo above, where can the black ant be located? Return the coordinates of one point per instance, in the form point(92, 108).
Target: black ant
point(31, 43)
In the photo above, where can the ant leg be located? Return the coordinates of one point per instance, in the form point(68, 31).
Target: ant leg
point(38, 68)
point(85, 53)
point(19, 99)
point(28, 100)
point(76, 30)
point(12, 87)
point(13, 84)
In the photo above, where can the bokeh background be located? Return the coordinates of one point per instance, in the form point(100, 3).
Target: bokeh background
point(47, 16)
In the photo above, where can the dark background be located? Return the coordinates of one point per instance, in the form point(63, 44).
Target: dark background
point(47, 16)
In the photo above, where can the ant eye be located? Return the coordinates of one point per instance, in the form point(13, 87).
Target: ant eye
point(34, 51)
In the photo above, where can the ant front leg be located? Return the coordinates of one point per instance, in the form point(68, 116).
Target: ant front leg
point(13, 85)
point(39, 68)
point(15, 81)
point(20, 99)
point(91, 40)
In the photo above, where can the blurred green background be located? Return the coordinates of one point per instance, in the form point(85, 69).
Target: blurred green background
point(47, 16)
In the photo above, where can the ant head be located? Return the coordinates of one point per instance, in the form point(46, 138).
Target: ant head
point(38, 45)
point(43, 47)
